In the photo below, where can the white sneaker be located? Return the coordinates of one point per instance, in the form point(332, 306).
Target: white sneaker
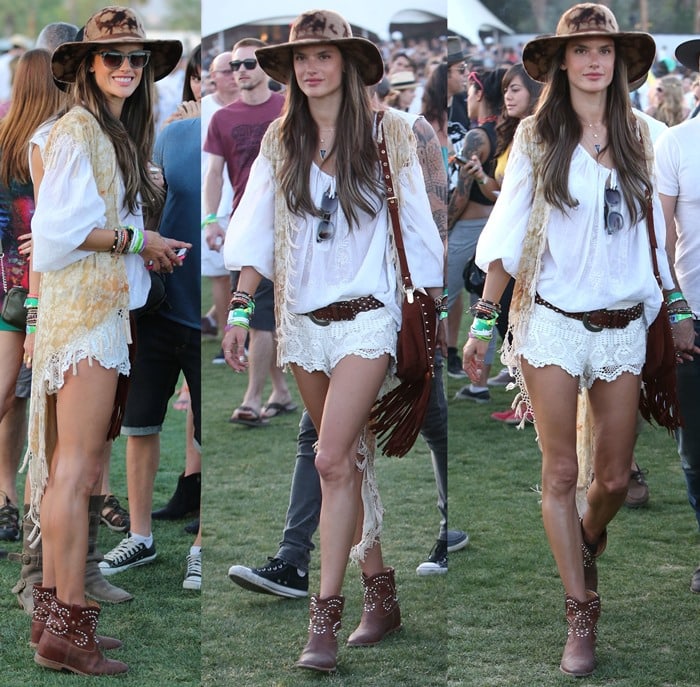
point(503, 378)
point(193, 576)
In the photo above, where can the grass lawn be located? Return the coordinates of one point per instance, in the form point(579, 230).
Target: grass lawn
point(160, 628)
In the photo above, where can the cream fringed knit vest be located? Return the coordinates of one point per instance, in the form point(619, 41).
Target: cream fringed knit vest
point(83, 308)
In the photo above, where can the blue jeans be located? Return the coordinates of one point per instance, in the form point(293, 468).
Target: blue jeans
point(688, 437)
point(305, 494)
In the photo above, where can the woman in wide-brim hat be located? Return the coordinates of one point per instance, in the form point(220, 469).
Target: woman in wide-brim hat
point(314, 219)
point(571, 226)
point(92, 251)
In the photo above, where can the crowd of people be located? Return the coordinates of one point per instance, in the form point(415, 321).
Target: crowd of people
point(528, 183)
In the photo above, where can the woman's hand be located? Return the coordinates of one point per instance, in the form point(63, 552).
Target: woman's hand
point(684, 340)
point(28, 350)
point(160, 252)
point(25, 245)
point(233, 345)
point(473, 358)
point(474, 169)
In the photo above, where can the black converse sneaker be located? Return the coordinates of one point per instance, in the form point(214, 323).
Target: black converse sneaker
point(277, 577)
point(437, 560)
point(127, 554)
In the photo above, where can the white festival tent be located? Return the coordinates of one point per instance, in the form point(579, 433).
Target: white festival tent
point(468, 17)
point(371, 15)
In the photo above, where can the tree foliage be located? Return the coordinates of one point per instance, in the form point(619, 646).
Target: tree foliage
point(541, 16)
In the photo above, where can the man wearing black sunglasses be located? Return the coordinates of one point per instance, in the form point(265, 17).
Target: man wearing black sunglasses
point(233, 139)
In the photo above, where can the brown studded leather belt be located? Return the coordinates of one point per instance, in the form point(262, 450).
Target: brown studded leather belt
point(344, 310)
point(597, 320)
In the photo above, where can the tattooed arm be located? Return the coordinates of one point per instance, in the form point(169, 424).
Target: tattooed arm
point(434, 173)
point(475, 143)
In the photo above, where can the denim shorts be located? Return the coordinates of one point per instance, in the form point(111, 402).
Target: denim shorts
point(164, 348)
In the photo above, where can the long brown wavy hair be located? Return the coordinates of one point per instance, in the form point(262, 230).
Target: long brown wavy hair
point(35, 99)
point(355, 149)
point(132, 134)
point(559, 129)
point(505, 129)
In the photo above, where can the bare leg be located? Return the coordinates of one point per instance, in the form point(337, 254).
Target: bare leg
point(13, 431)
point(553, 393)
point(221, 294)
point(83, 411)
point(614, 407)
point(339, 407)
point(142, 459)
point(280, 390)
point(193, 457)
point(260, 357)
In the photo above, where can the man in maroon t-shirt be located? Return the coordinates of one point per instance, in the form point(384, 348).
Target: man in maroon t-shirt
point(233, 139)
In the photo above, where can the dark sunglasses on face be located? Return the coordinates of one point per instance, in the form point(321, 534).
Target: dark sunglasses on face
point(613, 216)
point(249, 64)
point(326, 228)
point(113, 59)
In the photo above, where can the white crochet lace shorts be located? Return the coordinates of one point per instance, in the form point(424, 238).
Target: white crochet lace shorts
point(319, 348)
point(554, 339)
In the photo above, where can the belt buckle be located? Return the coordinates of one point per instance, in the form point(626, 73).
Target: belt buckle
point(318, 320)
point(589, 325)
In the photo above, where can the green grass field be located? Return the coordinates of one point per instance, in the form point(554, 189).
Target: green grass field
point(497, 618)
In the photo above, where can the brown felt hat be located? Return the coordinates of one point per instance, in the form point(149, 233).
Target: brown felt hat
point(589, 20)
point(114, 25)
point(322, 27)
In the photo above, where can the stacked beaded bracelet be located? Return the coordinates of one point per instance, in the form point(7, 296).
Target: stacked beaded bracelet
point(128, 239)
point(485, 315)
point(209, 219)
point(241, 309)
point(678, 309)
point(31, 303)
point(441, 305)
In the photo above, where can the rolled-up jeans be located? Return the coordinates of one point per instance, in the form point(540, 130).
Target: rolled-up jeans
point(688, 436)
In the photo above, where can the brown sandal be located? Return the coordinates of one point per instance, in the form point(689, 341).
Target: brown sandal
point(114, 516)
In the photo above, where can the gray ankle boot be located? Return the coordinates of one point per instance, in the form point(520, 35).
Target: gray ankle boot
point(96, 586)
point(31, 572)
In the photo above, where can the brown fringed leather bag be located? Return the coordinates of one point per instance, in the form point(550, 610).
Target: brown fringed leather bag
point(659, 397)
point(396, 417)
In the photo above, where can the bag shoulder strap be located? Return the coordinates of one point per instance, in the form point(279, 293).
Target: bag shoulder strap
point(393, 203)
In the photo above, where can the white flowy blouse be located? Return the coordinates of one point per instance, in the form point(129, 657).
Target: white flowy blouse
point(583, 267)
point(355, 261)
point(69, 207)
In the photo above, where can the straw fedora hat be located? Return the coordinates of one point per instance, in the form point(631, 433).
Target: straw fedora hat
point(321, 27)
point(588, 20)
point(688, 54)
point(114, 25)
point(401, 81)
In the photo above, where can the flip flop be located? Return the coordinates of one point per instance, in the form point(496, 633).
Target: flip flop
point(244, 415)
point(273, 409)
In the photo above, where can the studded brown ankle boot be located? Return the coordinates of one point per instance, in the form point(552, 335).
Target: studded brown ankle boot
point(69, 641)
point(40, 615)
point(324, 623)
point(590, 553)
point(380, 613)
point(582, 617)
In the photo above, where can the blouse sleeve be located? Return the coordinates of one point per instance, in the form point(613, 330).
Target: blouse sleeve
point(250, 237)
point(422, 242)
point(503, 236)
point(68, 208)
